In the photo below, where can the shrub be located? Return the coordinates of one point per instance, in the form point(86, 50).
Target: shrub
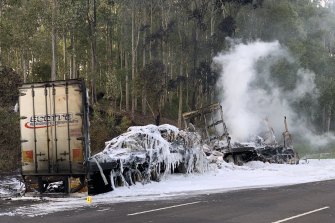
point(9, 140)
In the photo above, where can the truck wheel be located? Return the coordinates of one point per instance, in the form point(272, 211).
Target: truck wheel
point(128, 178)
point(238, 160)
point(155, 175)
point(229, 159)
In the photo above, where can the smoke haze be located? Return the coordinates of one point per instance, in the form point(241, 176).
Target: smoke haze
point(249, 93)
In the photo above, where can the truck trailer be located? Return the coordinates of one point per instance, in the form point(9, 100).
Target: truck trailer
point(54, 129)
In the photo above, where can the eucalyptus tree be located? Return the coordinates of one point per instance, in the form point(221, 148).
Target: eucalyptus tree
point(71, 26)
point(54, 40)
point(20, 23)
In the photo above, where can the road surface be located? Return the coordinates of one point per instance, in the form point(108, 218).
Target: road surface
point(304, 203)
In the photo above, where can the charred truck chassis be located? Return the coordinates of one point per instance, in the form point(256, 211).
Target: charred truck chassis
point(240, 155)
point(210, 124)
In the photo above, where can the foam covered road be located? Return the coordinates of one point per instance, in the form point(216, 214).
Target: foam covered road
point(305, 203)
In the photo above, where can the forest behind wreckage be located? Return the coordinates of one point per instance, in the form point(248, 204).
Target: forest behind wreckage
point(141, 58)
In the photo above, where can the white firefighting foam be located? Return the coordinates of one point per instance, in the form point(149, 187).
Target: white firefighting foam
point(228, 178)
point(154, 145)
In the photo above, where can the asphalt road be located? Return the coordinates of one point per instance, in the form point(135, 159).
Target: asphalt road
point(304, 203)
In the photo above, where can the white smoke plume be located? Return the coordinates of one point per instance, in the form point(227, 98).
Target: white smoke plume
point(249, 94)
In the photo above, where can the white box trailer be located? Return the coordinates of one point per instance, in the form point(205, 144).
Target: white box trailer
point(54, 129)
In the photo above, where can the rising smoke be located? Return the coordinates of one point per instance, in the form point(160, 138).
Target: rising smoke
point(250, 93)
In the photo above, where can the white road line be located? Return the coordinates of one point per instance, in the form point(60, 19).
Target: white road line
point(159, 209)
point(300, 215)
point(106, 209)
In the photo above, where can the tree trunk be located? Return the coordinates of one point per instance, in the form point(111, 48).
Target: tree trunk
point(121, 95)
point(187, 90)
point(180, 106)
point(144, 100)
point(144, 104)
point(54, 42)
point(32, 60)
point(110, 33)
point(71, 58)
point(163, 55)
point(212, 27)
point(94, 51)
point(107, 50)
point(111, 47)
point(169, 61)
point(93, 42)
point(133, 59)
point(329, 114)
point(151, 23)
point(127, 81)
point(24, 66)
point(323, 119)
point(121, 57)
point(144, 37)
point(17, 61)
point(0, 40)
point(136, 72)
point(65, 56)
point(74, 67)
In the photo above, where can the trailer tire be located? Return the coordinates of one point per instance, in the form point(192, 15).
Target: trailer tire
point(41, 187)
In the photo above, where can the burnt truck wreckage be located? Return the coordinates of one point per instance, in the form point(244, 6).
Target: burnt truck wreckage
point(146, 153)
point(214, 132)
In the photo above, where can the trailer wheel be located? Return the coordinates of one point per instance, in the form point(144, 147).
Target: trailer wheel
point(67, 186)
point(41, 187)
